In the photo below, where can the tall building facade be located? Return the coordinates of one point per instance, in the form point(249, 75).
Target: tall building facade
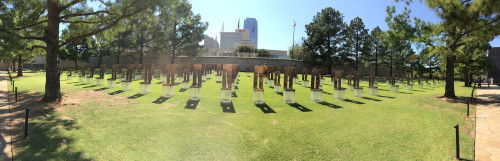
point(230, 40)
point(251, 25)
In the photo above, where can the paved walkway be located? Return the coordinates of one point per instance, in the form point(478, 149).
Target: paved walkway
point(5, 120)
point(488, 123)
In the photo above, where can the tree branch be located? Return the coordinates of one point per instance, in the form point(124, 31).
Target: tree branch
point(79, 21)
point(69, 5)
point(32, 38)
point(76, 38)
point(84, 14)
point(23, 37)
point(36, 46)
point(24, 27)
point(489, 23)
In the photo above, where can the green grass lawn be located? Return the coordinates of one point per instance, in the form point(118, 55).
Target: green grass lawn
point(108, 124)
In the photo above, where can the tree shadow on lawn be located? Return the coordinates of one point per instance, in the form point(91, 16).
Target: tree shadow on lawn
point(265, 108)
point(228, 107)
point(160, 100)
point(330, 105)
point(353, 101)
point(44, 142)
point(299, 107)
point(191, 104)
point(135, 96)
point(463, 100)
point(116, 92)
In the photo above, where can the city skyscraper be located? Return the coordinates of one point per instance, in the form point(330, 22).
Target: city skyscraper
point(252, 25)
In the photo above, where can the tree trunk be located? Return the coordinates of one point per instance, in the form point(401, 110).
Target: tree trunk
point(390, 73)
point(141, 53)
point(356, 65)
point(376, 63)
point(13, 67)
point(118, 58)
point(20, 66)
point(430, 69)
point(329, 58)
point(449, 91)
point(466, 78)
point(52, 84)
point(76, 65)
point(172, 60)
point(470, 80)
point(100, 57)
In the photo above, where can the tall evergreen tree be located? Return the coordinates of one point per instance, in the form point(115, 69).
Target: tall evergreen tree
point(180, 32)
point(462, 22)
point(359, 36)
point(378, 48)
point(325, 35)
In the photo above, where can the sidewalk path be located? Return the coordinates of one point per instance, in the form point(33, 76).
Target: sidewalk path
point(5, 119)
point(488, 123)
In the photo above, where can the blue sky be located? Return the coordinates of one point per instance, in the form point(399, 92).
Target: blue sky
point(275, 17)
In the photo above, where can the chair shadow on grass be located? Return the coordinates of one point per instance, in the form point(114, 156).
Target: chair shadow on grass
point(191, 104)
point(329, 105)
point(383, 89)
point(328, 93)
point(299, 107)
point(135, 96)
point(81, 84)
point(101, 89)
point(90, 86)
point(160, 100)
point(385, 96)
point(182, 90)
point(265, 108)
point(353, 101)
point(228, 107)
point(160, 83)
point(466, 159)
point(233, 94)
point(372, 99)
point(236, 87)
point(405, 92)
point(116, 92)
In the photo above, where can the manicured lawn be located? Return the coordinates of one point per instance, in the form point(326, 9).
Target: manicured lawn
point(107, 124)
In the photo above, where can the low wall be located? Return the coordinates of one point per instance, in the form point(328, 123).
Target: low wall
point(160, 59)
point(4, 66)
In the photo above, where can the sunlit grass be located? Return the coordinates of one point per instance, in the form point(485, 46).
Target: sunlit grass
point(411, 125)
